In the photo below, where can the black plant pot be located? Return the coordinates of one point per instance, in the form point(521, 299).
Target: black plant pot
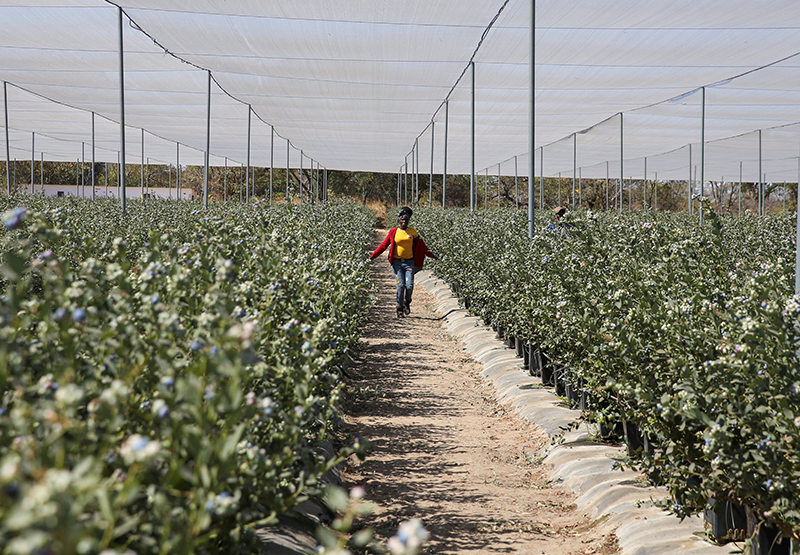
point(510, 341)
point(612, 431)
point(728, 521)
point(573, 391)
point(519, 346)
point(500, 331)
point(466, 303)
point(548, 374)
point(586, 401)
point(534, 361)
point(526, 355)
point(559, 379)
point(633, 437)
point(769, 541)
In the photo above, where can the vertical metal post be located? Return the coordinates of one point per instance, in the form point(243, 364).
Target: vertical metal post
point(531, 114)
point(398, 186)
point(606, 185)
point(516, 183)
point(241, 183)
point(689, 182)
point(740, 186)
point(41, 169)
point(644, 188)
point(83, 177)
point(405, 181)
point(444, 169)
point(287, 170)
point(498, 185)
point(77, 177)
point(271, 161)
point(8, 146)
point(541, 177)
point(472, 197)
point(121, 169)
point(797, 239)
point(247, 173)
point(413, 173)
point(559, 188)
point(106, 175)
point(430, 181)
point(621, 158)
point(208, 141)
point(301, 175)
point(142, 164)
point(94, 161)
point(580, 188)
point(574, 165)
point(225, 181)
point(486, 190)
point(415, 161)
point(33, 160)
point(655, 193)
point(760, 180)
point(702, 153)
point(178, 170)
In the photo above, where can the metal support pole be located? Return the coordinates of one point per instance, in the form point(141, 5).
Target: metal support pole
point(405, 181)
point(33, 160)
point(413, 174)
point(247, 180)
point(94, 161)
point(121, 169)
point(430, 181)
point(531, 114)
point(208, 141)
point(83, 177)
point(301, 174)
point(606, 185)
point(516, 183)
point(41, 169)
point(225, 182)
point(444, 170)
point(486, 190)
point(644, 188)
point(106, 175)
point(8, 146)
point(271, 161)
point(580, 188)
point(740, 186)
point(702, 153)
point(142, 165)
point(760, 181)
point(691, 189)
point(559, 188)
point(287, 170)
point(797, 239)
point(621, 158)
point(541, 178)
point(655, 193)
point(574, 165)
point(398, 186)
point(178, 170)
point(472, 197)
point(498, 186)
point(77, 177)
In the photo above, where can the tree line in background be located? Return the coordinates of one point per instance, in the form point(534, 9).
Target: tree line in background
point(391, 189)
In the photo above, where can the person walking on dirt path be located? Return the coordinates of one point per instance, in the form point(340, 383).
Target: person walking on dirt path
point(407, 252)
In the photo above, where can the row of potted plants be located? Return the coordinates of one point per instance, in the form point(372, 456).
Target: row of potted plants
point(168, 376)
point(688, 331)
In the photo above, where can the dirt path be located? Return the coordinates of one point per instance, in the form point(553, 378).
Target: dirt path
point(443, 450)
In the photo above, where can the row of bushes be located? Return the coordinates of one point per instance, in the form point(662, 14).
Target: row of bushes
point(167, 376)
point(689, 331)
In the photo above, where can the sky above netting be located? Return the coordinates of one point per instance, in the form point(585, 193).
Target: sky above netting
point(355, 85)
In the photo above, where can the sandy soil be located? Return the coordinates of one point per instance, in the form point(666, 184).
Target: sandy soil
point(443, 450)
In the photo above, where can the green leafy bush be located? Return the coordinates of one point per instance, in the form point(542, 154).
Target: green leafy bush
point(169, 376)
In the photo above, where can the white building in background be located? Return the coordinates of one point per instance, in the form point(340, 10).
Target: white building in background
point(113, 192)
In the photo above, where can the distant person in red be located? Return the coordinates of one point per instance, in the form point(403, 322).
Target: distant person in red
point(407, 252)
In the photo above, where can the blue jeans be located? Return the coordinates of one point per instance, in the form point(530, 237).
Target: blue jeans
point(404, 274)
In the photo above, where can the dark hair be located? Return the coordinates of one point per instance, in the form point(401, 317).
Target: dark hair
point(405, 211)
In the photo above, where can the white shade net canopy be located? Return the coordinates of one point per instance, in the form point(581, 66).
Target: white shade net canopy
point(360, 84)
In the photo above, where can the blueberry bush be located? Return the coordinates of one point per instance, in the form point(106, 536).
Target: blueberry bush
point(168, 376)
point(690, 331)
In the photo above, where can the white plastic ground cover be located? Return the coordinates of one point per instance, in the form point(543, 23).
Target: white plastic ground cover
point(355, 84)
